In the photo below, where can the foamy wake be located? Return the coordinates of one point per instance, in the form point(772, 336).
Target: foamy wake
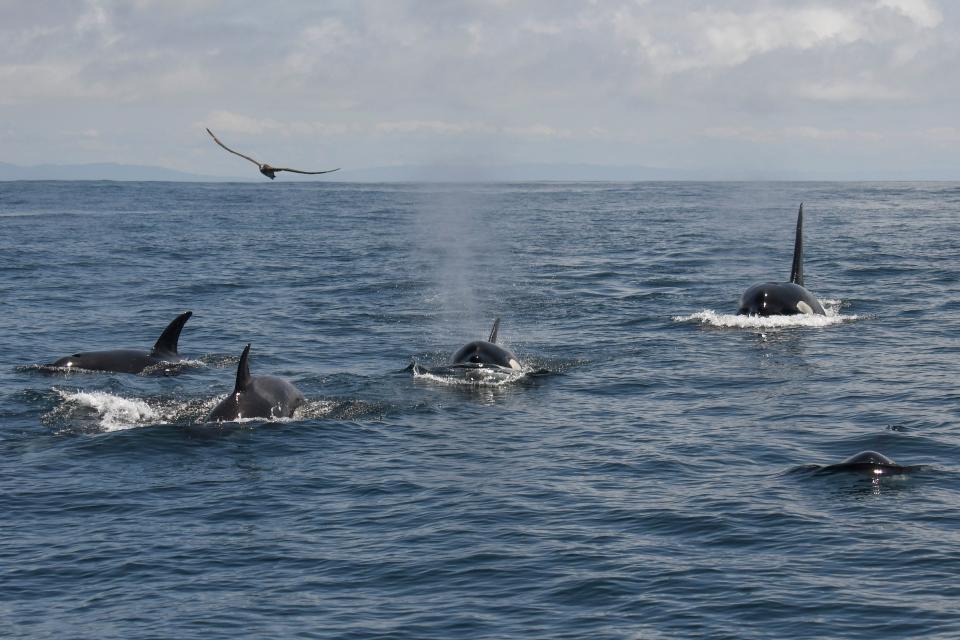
point(468, 377)
point(314, 409)
point(172, 368)
point(729, 320)
point(311, 409)
point(115, 413)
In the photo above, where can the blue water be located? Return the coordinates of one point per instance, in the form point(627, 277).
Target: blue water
point(648, 482)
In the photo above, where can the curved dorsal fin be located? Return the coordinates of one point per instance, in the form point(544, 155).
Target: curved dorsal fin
point(167, 342)
point(796, 272)
point(493, 332)
point(243, 371)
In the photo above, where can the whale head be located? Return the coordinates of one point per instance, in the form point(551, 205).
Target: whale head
point(783, 298)
point(481, 353)
point(778, 299)
point(871, 463)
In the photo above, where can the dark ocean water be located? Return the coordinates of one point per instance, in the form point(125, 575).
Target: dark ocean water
point(648, 483)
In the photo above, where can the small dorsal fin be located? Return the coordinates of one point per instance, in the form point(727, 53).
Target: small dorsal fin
point(167, 342)
point(243, 371)
point(796, 272)
point(493, 332)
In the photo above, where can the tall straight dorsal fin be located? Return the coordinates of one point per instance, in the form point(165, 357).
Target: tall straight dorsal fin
point(243, 371)
point(493, 332)
point(796, 272)
point(167, 342)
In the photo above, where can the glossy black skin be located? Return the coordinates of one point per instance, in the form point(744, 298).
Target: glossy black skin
point(783, 298)
point(264, 397)
point(777, 299)
point(868, 462)
point(482, 353)
point(257, 396)
point(118, 360)
point(131, 360)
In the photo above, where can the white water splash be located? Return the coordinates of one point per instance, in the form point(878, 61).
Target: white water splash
point(115, 413)
point(170, 368)
point(470, 377)
point(311, 409)
point(728, 320)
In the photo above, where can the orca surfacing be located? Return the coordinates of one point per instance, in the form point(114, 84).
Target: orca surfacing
point(870, 463)
point(486, 353)
point(131, 360)
point(257, 396)
point(783, 298)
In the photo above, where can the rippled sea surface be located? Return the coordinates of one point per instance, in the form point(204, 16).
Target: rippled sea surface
point(648, 477)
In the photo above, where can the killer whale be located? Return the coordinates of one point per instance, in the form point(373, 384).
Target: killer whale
point(783, 298)
point(486, 353)
point(257, 396)
point(131, 360)
point(870, 463)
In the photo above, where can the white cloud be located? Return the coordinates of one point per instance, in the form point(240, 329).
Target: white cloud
point(96, 21)
point(735, 38)
point(20, 83)
point(942, 135)
point(816, 133)
point(924, 13)
point(432, 126)
point(86, 133)
point(852, 91)
point(542, 131)
point(317, 43)
point(551, 79)
point(237, 123)
point(785, 134)
point(744, 133)
point(710, 38)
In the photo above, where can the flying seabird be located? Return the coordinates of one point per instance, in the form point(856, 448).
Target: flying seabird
point(266, 169)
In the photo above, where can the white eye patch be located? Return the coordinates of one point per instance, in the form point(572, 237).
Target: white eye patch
point(803, 307)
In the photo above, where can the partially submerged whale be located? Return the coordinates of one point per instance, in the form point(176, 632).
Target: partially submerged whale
point(131, 360)
point(868, 462)
point(783, 298)
point(257, 396)
point(486, 353)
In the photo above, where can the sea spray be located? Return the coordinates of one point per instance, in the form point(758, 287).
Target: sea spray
point(116, 413)
point(732, 320)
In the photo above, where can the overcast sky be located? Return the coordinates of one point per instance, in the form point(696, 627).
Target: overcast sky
point(792, 88)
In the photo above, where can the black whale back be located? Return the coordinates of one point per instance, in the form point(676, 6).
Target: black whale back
point(257, 397)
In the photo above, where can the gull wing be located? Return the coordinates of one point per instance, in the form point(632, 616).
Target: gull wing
point(312, 173)
point(235, 152)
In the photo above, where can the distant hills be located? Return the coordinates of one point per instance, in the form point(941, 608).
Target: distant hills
point(98, 171)
point(402, 173)
point(453, 173)
point(510, 173)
